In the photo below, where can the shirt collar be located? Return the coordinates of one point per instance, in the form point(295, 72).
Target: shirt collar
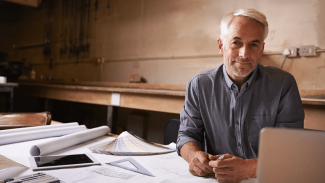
point(229, 82)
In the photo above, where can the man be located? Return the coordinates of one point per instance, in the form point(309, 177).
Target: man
point(227, 106)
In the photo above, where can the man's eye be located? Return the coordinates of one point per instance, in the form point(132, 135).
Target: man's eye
point(254, 45)
point(235, 42)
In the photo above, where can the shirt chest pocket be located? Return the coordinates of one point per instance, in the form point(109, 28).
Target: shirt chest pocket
point(254, 124)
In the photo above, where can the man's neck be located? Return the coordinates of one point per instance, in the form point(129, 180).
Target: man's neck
point(239, 81)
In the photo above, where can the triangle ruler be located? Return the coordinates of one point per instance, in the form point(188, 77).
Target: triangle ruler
point(135, 168)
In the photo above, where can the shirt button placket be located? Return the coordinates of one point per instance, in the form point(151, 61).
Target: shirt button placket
point(237, 127)
point(239, 140)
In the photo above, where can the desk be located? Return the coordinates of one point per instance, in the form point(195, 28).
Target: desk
point(167, 168)
point(9, 87)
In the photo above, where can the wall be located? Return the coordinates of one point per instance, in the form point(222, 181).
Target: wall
point(165, 41)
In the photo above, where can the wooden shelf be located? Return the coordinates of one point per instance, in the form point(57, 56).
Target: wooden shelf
point(152, 97)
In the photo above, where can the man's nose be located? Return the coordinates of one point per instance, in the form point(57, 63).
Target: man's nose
point(244, 52)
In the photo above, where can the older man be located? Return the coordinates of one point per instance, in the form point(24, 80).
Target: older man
point(227, 106)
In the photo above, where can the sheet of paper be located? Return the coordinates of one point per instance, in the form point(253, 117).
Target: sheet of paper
point(7, 163)
point(11, 172)
point(166, 168)
point(9, 168)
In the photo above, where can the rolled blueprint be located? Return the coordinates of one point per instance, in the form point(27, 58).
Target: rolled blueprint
point(32, 135)
point(37, 128)
point(68, 140)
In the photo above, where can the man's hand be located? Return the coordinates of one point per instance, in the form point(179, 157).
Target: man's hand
point(232, 168)
point(199, 164)
point(197, 159)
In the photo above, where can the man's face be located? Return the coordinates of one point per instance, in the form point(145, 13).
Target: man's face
point(242, 49)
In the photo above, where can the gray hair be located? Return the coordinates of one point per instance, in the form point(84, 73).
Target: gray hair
point(249, 13)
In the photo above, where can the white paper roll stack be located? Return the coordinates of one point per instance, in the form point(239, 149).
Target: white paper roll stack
point(32, 133)
point(68, 140)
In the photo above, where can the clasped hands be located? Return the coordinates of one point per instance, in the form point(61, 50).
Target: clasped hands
point(229, 169)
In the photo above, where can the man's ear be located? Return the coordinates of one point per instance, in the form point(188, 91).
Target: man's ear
point(221, 46)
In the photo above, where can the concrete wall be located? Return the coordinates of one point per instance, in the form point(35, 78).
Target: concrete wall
point(166, 41)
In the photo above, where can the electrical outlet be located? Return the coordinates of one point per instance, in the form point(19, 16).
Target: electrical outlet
point(115, 99)
point(289, 51)
point(307, 50)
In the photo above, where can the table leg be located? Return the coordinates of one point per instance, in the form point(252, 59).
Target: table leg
point(11, 100)
point(112, 118)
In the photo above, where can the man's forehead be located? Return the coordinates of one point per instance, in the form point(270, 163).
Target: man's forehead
point(243, 27)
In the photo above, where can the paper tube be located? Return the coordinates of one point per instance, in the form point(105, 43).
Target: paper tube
point(32, 135)
point(68, 140)
point(37, 128)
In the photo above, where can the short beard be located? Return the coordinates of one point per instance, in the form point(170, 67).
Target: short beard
point(233, 70)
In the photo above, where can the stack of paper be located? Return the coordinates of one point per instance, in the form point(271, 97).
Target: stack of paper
point(127, 144)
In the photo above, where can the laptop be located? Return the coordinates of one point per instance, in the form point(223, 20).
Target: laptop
point(291, 155)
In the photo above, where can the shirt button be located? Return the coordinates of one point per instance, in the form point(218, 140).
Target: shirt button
point(239, 145)
point(237, 122)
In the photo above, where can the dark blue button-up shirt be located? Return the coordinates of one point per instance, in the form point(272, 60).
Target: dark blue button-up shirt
point(223, 119)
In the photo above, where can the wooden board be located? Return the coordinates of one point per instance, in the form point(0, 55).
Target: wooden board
point(145, 99)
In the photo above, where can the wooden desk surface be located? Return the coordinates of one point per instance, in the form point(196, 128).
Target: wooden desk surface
point(162, 98)
point(144, 96)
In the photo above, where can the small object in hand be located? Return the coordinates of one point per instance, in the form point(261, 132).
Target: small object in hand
point(221, 157)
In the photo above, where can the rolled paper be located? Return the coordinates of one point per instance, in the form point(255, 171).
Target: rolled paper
point(68, 141)
point(37, 128)
point(32, 135)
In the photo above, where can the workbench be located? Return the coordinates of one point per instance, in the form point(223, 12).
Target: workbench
point(144, 96)
point(153, 97)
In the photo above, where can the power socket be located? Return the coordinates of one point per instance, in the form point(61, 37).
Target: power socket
point(289, 51)
point(307, 50)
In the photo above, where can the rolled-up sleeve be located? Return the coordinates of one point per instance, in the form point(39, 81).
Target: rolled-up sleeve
point(290, 112)
point(191, 128)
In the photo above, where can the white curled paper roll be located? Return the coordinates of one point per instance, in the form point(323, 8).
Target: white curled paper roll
point(37, 128)
point(68, 140)
point(32, 135)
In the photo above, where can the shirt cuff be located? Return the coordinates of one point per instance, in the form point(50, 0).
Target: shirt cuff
point(183, 140)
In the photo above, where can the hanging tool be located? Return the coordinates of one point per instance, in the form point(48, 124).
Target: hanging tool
point(88, 21)
point(71, 29)
point(81, 36)
point(63, 48)
point(108, 4)
point(96, 9)
point(78, 30)
point(109, 7)
point(51, 32)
